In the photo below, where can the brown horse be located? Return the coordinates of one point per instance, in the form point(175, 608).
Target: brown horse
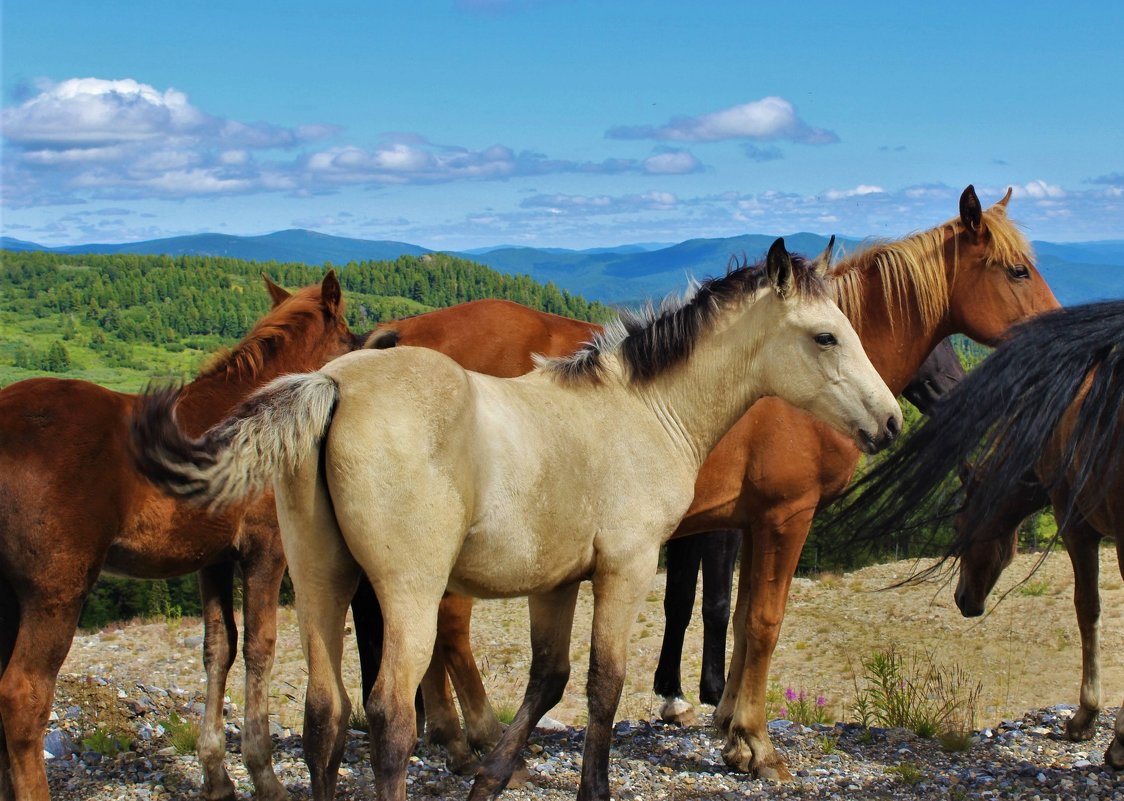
point(1045, 416)
point(972, 275)
point(72, 506)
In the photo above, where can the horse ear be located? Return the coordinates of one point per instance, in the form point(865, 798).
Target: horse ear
point(331, 293)
point(778, 268)
point(971, 213)
point(1006, 198)
point(823, 263)
point(278, 293)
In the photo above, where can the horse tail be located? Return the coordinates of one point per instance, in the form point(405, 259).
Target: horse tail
point(270, 433)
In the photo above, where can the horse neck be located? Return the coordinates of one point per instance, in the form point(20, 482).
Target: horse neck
point(700, 399)
point(216, 392)
point(897, 339)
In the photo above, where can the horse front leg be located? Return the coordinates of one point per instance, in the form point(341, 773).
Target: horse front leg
point(617, 598)
point(1082, 544)
point(552, 622)
point(724, 712)
point(683, 557)
point(776, 542)
point(261, 585)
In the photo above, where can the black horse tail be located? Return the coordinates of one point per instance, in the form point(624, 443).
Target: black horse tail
point(1001, 418)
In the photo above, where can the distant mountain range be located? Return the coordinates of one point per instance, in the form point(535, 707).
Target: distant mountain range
point(1078, 272)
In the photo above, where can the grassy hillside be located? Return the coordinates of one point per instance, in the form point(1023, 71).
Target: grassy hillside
point(120, 320)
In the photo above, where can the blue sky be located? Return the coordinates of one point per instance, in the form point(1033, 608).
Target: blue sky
point(464, 123)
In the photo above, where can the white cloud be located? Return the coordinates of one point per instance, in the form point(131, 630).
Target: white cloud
point(1037, 189)
point(672, 162)
point(765, 119)
point(858, 191)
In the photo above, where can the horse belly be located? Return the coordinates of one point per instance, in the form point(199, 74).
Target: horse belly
point(509, 561)
point(164, 538)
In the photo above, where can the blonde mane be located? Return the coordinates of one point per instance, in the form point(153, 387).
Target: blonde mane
point(916, 266)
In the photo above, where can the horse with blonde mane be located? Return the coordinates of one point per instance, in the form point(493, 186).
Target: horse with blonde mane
point(73, 507)
point(402, 465)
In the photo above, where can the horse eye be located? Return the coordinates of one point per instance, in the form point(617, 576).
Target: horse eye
point(1018, 272)
point(826, 340)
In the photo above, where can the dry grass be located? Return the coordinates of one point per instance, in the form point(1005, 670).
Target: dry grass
point(1025, 653)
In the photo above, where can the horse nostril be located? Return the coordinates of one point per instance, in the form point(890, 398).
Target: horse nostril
point(893, 427)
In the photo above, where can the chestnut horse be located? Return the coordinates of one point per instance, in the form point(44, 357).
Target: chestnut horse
point(73, 506)
point(1046, 411)
point(402, 465)
point(972, 275)
point(715, 553)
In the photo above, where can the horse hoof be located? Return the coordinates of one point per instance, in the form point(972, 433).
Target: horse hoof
point(677, 711)
point(774, 773)
point(271, 791)
point(1078, 729)
point(519, 778)
point(461, 765)
point(1114, 754)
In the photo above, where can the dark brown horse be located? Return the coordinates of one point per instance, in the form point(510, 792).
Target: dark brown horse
point(72, 507)
point(1046, 411)
point(973, 275)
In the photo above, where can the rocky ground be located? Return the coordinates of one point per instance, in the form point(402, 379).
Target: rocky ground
point(136, 682)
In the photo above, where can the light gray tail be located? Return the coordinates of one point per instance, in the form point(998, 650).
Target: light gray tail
point(271, 433)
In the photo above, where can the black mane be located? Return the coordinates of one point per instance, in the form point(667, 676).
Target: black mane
point(651, 340)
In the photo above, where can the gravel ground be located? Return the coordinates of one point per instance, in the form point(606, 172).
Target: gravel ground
point(131, 679)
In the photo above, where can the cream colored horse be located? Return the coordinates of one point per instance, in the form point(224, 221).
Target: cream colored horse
point(403, 465)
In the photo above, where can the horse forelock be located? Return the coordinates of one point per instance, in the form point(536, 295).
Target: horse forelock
point(651, 339)
point(915, 269)
point(281, 326)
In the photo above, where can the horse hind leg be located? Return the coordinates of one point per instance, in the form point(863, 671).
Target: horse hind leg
point(454, 623)
point(718, 579)
point(442, 725)
point(1082, 544)
point(552, 622)
point(683, 557)
point(261, 579)
point(220, 640)
point(27, 687)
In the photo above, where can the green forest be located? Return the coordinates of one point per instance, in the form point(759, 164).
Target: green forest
point(123, 320)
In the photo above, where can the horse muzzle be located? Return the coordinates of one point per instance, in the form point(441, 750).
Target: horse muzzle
point(872, 443)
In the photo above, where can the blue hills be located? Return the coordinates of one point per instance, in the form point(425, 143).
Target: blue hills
point(1078, 272)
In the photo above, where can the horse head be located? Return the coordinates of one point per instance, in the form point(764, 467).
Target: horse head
point(816, 361)
point(995, 282)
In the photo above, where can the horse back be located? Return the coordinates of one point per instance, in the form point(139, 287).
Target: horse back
point(494, 337)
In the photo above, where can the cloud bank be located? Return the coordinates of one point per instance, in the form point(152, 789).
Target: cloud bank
point(770, 118)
